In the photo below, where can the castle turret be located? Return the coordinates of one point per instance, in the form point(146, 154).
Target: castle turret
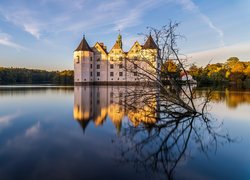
point(83, 62)
point(150, 44)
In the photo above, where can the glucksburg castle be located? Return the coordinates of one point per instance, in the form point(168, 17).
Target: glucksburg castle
point(95, 65)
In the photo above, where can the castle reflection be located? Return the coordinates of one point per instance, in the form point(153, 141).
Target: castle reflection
point(98, 103)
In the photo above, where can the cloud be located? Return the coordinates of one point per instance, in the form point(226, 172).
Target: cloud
point(189, 5)
point(5, 39)
point(33, 130)
point(133, 16)
point(6, 119)
point(23, 18)
point(221, 54)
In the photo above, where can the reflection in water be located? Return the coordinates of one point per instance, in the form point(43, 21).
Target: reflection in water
point(232, 98)
point(96, 103)
point(159, 133)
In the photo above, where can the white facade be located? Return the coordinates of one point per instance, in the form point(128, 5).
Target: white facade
point(97, 66)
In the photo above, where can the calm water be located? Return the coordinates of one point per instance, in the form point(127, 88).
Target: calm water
point(86, 133)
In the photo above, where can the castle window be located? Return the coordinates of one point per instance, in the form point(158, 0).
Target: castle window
point(120, 74)
point(120, 66)
point(90, 66)
point(111, 59)
point(97, 74)
point(77, 59)
point(135, 66)
point(135, 73)
point(120, 58)
point(98, 59)
point(111, 66)
point(98, 66)
point(135, 58)
point(91, 74)
point(91, 58)
point(112, 74)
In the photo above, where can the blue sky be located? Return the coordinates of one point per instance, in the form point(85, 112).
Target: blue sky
point(44, 33)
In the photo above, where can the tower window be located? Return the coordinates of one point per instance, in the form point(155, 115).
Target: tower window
point(98, 59)
point(90, 66)
point(111, 74)
point(111, 66)
point(91, 58)
point(98, 66)
point(77, 59)
point(120, 66)
point(120, 74)
point(91, 73)
point(97, 74)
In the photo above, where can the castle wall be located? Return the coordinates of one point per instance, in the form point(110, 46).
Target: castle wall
point(98, 67)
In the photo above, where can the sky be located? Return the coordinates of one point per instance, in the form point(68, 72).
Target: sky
point(43, 34)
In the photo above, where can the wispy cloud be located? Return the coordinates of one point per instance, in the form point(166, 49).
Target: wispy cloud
point(221, 54)
point(189, 5)
point(6, 119)
point(133, 16)
point(23, 18)
point(6, 40)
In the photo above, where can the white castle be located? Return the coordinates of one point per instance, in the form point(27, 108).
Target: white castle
point(94, 65)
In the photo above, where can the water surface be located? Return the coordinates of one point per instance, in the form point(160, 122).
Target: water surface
point(85, 132)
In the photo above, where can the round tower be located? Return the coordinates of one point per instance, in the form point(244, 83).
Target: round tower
point(83, 63)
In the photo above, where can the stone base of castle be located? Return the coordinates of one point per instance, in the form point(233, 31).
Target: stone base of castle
point(114, 83)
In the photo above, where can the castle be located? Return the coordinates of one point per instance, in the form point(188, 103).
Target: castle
point(95, 65)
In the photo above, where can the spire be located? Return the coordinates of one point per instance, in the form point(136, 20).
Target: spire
point(119, 39)
point(83, 46)
point(150, 44)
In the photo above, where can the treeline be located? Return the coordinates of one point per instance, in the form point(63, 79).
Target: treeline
point(35, 76)
point(232, 72)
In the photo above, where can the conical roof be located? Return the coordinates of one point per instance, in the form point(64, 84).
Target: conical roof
point(150, 44)
point(83, 46)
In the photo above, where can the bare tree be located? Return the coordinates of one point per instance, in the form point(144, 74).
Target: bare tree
point(167, 117)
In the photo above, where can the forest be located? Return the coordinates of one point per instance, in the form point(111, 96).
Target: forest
point(231, 72)
point(34, 76)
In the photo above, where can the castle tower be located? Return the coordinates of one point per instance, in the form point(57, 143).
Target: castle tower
point(150, 52)
point(83, 63)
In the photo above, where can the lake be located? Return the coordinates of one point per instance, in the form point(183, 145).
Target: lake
point(50, 132)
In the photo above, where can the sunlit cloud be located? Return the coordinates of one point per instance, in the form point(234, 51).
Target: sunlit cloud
point(189, 5)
